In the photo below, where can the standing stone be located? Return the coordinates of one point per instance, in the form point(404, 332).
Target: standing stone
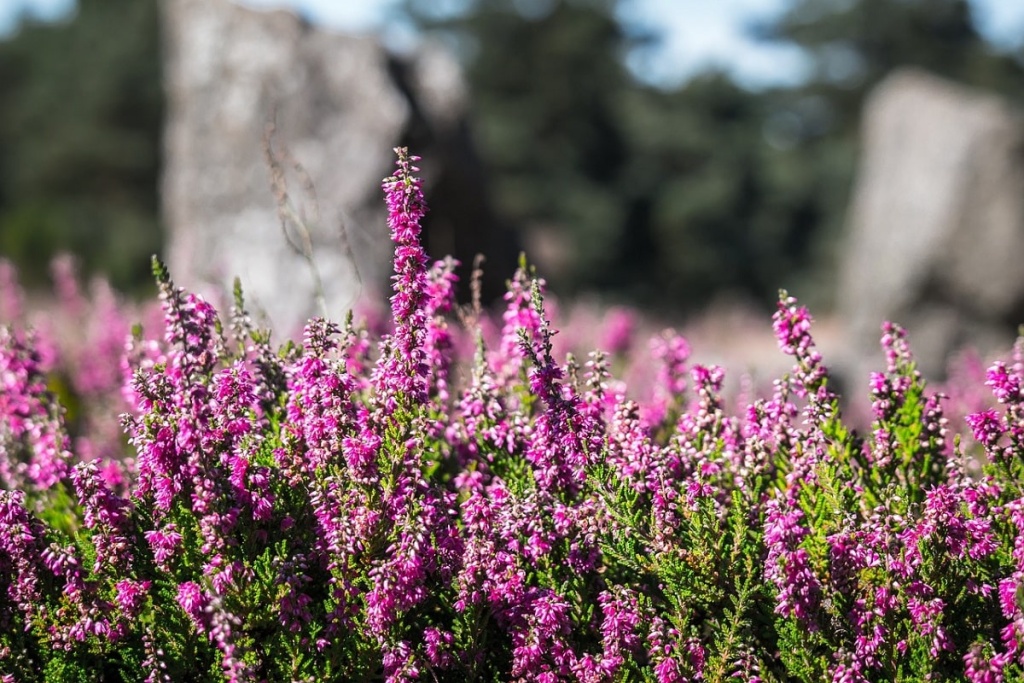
point(936, 224)
point(340, 104)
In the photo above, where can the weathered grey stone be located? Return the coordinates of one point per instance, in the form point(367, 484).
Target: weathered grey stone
point(936, 223)
point(341, 104)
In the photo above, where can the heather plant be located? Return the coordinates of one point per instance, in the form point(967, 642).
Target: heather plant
point(466, 502)
point(79, 344)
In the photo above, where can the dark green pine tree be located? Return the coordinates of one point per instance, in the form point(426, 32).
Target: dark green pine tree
point(664, 197)
point(80, 139)
point(669, 196)
point(546, 82)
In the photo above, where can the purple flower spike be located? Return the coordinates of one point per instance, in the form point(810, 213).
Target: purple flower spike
point(33, 444)
point(438, 341)
point(194, 601)
point(130, 595)
point(981, 669)
point(986, 427)
point(403, 371)
point(1006, 386)
point(21, 548)
point(788, 565)
point(792, 327)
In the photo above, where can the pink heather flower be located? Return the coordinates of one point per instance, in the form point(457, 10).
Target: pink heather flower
point(109, 330)
point(898, 357)
point(934, 427)
point(130, 595)
point(870, 618)
point(438, 342)
point(631, 451)
point(788, 565)
point(696, 655)
point(708, 379)
point(64, 271)
point(439, 645)
point(620, 628)
point(164, 544)
point(887, 394)
point(1008, 596)
point(986, 427)
point(139, 358)
point(223, 626)
point(667, 671)
point(33, 443)
point(926, 614)
point(675, 660)
point(770, 425)
point(319, 409)
point(617, 335)
point(21, 536)
point(355, 353)
point(566, 435)
point(981, 669)
point(189, 323)
point(399, 662)
point(153, 665)
point(107, 514)
point(521, 321)
point(672, 350)
point(1006, 387)
point(404, 369)
point(192, 599)
point(234, 401)
point(294, 604)
point(944, 521)
point(176, 430)
point(792, 326)
point(539, 627)
point(63, 562)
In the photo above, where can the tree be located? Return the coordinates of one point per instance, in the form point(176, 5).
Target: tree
point(545, 80)
point(667, 197)
point(661, 197)
point(80, 140)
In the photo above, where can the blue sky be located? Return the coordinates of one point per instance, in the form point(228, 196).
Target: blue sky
point(698, 33)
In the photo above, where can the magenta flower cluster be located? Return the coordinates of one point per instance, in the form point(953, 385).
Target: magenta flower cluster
point(453, 500)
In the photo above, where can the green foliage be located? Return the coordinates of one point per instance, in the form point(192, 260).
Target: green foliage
point(665, 196)
point(669, 195)
point(80, 141)
point(694, 554)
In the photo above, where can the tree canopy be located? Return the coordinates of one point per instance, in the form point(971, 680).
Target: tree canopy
point(658, 196)
point(669, 196)
point(80, 140)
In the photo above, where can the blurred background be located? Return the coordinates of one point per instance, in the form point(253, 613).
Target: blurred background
point(660, 153)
